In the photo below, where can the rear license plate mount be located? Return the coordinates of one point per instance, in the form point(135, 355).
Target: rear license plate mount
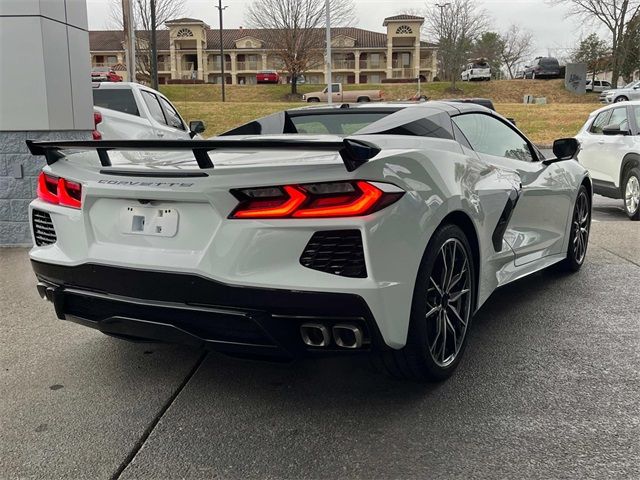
point(152, 221)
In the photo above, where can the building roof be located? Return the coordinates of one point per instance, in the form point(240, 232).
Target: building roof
point(111, 40)
point(400, 18)
point(184, 20)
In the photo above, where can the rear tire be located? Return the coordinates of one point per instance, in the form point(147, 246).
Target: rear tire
point(631, 193)
point(579, 236)
point(313, 100)
point(443, 302)
point(363, 100)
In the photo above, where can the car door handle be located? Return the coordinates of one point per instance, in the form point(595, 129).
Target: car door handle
point(160, 134)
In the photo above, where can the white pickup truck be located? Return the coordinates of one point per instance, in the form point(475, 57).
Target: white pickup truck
point(132, 111)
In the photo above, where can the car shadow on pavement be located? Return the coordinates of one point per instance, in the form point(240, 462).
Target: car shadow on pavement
point(355, 376)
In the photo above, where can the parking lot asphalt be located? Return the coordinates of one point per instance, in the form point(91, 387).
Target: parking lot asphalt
point(549, 388)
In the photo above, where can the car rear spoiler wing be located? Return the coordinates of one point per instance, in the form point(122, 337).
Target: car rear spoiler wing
point(354, 153)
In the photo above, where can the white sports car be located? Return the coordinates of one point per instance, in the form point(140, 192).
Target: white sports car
point(374, 228)
point(610, 150)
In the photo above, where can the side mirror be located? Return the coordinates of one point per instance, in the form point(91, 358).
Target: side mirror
point(564, 149)
point(614, 130)
point(196, 127)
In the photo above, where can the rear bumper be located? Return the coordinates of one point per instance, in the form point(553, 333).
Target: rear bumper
point(193, 310)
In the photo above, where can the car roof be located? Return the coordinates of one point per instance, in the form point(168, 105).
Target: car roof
point(635, 103)
point(110, 85)
point(436, 106)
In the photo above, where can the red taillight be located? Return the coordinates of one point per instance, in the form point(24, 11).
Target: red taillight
point(97, 118)
point(47, 188)
point(318, 200)
point(59, 191)
point(272, 207)
point(69, 193)
point(347, 206)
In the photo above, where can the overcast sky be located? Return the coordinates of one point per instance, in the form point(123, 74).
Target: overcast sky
point(554, 34)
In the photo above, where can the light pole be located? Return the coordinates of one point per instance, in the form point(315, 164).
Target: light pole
point(220, 9)
point(154, 48)
point(442, 6)
point(127, 8)
point(330, 84)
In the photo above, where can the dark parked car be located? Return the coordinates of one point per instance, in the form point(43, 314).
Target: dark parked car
point(543, 67)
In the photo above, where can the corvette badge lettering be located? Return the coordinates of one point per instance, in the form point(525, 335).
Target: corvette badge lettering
point(130, 183)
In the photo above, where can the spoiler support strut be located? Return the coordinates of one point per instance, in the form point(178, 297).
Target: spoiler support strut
point(354, 153)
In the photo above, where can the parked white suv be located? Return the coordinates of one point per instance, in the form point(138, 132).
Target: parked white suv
point(132, 111)
point(610, 150)
point(597, 86)
point(630, 91)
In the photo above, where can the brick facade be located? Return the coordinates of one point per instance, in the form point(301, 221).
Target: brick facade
point(18, 173)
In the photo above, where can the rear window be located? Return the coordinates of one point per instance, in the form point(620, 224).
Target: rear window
point(336, 124)
point(549, 62)
point(480, 65)
point(120, 100)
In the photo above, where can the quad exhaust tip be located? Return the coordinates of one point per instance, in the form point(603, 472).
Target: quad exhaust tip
point(344, 335)
point(347, 336)
point(315, 335)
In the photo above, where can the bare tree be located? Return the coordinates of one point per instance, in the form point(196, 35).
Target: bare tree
point(516, 46)
point(296, 32)
point(616, 15)
point(165, 10)
point(455, 26)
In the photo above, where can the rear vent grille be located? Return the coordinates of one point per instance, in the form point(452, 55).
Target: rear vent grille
point(43, 230)
point(338, 252)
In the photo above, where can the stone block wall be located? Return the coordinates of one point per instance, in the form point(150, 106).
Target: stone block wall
point(18, 174)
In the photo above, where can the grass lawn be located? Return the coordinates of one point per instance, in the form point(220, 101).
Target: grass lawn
point(500, 91)
point(542, 123)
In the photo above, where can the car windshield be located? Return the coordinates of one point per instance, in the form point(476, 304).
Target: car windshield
point(335, 123)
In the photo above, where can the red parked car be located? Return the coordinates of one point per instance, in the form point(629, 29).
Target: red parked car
point(268, 76)
point(104, 74)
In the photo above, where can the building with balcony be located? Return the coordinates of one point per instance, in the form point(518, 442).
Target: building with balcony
point(190, 50)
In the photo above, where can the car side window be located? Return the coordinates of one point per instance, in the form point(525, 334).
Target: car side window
point(173, 119)
point(619, 118)
point(489, 135)
point(154, 107)
point(601, 121)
